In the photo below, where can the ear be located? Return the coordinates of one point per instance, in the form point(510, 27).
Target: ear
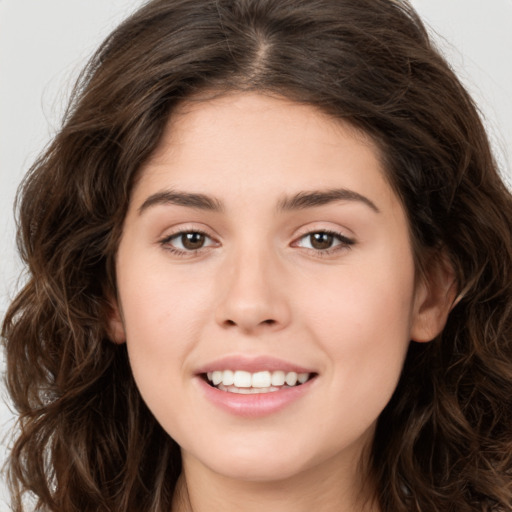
point(115, 322)
point(434, 298)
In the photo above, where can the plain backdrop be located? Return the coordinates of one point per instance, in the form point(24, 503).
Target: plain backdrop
point(45, 43)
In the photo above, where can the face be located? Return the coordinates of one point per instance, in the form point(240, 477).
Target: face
point(264, 250)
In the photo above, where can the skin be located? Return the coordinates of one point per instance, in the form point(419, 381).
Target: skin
point(258, 286)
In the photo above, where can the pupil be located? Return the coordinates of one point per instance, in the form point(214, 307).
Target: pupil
point(321, 240)
point(192, 240)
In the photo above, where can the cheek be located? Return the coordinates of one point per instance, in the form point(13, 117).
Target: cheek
point(162, 326)
point(355, 300)
point(164, 314)
point(362, 320)
point(159, 300)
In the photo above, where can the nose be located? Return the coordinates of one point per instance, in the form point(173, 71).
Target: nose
point(253, 294)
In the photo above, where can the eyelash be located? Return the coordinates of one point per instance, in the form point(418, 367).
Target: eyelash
point(344, 242)
point(166, 242)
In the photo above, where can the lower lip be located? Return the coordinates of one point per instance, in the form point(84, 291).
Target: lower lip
point(254, 405)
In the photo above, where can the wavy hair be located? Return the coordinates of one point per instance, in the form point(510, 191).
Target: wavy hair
point(86, 441)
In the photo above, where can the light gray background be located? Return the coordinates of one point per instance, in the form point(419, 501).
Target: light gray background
point(45, 43)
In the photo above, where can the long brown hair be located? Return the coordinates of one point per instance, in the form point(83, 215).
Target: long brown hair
point(86, 441)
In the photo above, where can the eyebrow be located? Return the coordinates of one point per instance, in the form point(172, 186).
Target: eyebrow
point(304, 200)
point(190, 200)
point(299, 201)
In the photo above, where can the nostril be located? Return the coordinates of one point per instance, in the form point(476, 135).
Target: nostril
point(269, 321)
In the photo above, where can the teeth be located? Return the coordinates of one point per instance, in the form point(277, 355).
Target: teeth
point(242, 379)
point(261, 380)
point(302, 377)
point(247, 391)
point(258, 382)
point(228, 378)
point(291, 378)
point(278, 378)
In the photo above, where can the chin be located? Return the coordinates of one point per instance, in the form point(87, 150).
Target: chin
point(256, 463)
point(263, 471)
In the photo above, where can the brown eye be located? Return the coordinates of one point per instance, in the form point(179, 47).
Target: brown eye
point(192, 241)
point(188, 241)
point(324, 241)
point(321, 241)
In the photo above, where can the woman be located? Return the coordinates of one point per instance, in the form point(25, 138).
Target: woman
point(270, 260)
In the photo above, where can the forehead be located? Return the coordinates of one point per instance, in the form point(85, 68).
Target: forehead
point(228, 138)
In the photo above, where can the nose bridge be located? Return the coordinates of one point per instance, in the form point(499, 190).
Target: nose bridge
point(253, 296)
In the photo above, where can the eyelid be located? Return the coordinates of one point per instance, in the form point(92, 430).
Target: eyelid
point(325, 227)
point(345, 242)
point(165, 241)
point(340, 236)
point(178, 234)
point(186, 227)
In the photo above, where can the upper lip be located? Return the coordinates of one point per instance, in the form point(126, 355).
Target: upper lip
point(252, 365)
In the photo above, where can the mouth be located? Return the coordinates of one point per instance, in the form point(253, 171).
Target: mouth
point(260, 382)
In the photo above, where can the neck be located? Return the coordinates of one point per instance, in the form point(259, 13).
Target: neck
point(321, 490)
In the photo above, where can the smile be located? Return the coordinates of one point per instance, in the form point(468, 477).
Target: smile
point(244, 382)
